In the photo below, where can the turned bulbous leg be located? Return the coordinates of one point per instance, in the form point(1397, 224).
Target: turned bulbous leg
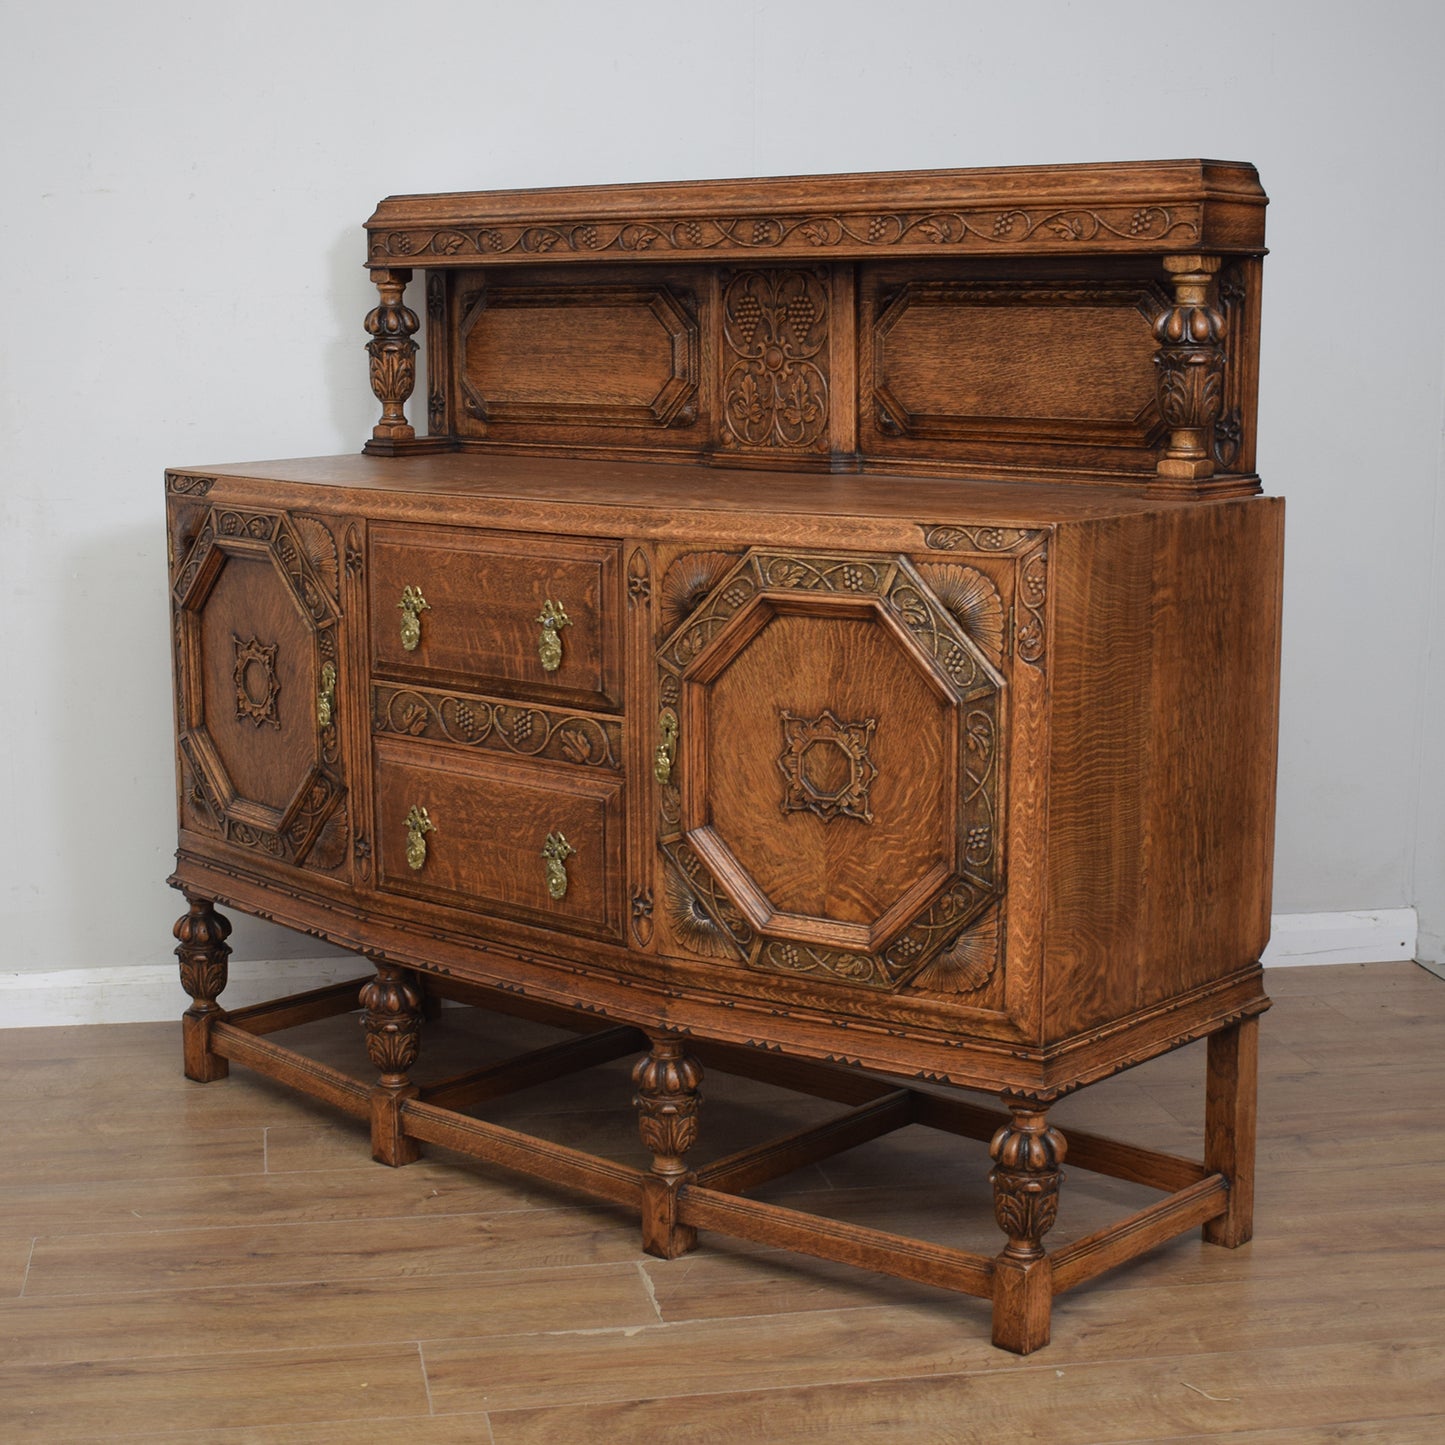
point(668, 1082)
point(392, 1020)
point(1025, 1178)
point(202, 949)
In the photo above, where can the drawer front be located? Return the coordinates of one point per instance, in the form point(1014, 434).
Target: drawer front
point(487, 826)
point(476, 600)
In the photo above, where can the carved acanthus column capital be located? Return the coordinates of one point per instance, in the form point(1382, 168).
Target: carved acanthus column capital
point(1190, 367)
point(668, 1081)
point(392, 1022)
point(393, 355)
point(1027, 1154)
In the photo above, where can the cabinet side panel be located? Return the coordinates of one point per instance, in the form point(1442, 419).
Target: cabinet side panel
point(1212, 748)
point(1096, 820)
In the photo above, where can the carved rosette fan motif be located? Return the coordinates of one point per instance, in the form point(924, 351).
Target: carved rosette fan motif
point(705, 917)
point(775, 327)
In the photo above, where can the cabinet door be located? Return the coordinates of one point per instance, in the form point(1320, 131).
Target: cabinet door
point(258, 690)
point(831, 806)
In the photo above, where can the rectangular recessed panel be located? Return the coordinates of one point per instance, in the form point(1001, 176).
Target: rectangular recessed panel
point(484, 593)
point(489, 823)
point(1062, 364)
point(548, 356)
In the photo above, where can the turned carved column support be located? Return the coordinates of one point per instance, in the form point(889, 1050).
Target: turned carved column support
point(392, 1020)
point(668, 1082)
point(393, 355)
point(1027, 1154)
point(201, 947)
point(1190, 368)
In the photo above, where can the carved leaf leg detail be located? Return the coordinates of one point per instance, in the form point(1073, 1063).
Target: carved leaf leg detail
point(392, 1021)
point(668, 1082)
point(202, 949)
point(1027, 1154)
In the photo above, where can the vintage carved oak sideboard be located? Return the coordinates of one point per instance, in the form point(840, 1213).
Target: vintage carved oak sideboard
point(828, 632)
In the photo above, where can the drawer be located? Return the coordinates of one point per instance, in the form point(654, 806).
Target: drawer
point(484, 593)
point(490, 821)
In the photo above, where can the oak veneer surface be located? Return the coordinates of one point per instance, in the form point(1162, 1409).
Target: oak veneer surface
point(223, 1263)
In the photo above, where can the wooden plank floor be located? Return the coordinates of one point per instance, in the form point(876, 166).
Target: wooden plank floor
point(223, 1262)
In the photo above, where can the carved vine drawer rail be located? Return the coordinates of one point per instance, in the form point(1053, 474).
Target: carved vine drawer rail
point(830, 626)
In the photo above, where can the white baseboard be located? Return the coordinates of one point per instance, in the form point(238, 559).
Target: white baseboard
point(151, 993)
point(1382, 935)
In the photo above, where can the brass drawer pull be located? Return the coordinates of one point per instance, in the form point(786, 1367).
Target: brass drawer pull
point(666, 753)
point(412, 605)
point(555, 852)
point(418, 825)
point(326, 697)
point(549, 646)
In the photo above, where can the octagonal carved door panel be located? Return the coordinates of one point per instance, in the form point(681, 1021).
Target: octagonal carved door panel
point(257, 613)
point(831, 777)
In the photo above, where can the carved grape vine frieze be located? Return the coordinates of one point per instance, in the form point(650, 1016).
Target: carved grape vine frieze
point(183, 484)
point(984, 228)
point(505, 727)
point(775, 390)
point(980, 539)
point(1032, 599)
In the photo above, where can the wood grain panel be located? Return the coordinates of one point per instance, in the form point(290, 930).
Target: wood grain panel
point(485, 592)
point(267, 749)
point(843, 868)
point(558, 355)
point(1100, 583)
point(1215, 627)
point(491, 820)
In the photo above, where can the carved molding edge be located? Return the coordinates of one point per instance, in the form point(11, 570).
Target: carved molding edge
point(526, 731)
point(1048, 229)
point(183, 484)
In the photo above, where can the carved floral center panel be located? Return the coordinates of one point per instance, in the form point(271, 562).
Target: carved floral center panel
point(257, 686)
point(775, 392)
point(825, 765)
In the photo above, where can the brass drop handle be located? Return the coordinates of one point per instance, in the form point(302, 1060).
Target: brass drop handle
point(666, 753)
point(555, 853)
point(549, 646)
point(412, 605)
point(326, 696)
point(418, 825)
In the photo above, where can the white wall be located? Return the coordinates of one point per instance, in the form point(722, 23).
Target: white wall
point(182, 194)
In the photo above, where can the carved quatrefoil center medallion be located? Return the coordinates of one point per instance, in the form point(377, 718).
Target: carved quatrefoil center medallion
point(826, 765)
point(257, 686)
